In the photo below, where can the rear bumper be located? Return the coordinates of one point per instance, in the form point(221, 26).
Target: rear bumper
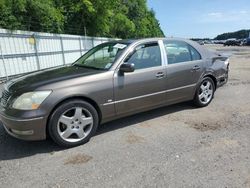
point(223, 78)
point(25, 129)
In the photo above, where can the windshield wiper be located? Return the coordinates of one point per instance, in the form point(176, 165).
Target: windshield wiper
point(88, 67)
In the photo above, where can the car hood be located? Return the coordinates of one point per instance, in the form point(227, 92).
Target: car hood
point(49, 76)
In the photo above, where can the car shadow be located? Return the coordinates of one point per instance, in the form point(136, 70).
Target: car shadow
point(11, 148)
point(143, 116)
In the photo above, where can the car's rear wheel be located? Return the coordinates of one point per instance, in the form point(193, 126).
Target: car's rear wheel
point(205, 92)
point(73, 123)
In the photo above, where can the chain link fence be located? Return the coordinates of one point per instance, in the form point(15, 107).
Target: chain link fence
point(22, 52)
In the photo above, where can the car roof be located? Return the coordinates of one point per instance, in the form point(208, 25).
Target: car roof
point(130, 41)
point(127, 41)
point(203, 51)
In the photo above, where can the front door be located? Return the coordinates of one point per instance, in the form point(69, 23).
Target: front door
point(145, 87)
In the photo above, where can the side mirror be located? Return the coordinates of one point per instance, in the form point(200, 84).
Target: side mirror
point(126, 67)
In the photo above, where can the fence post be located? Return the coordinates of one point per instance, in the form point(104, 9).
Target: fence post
point(80, 45)
point(92, 38)
point(36, 52)
point(62, 49)
point(85, 43)
point(5, 70)
point(93, 43)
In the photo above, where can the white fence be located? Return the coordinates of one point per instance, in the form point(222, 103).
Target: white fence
point(22, 52)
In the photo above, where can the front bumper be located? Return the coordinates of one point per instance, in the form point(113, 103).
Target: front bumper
point(25, 129)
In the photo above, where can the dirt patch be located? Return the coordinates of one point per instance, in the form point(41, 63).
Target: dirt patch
point(234, 79)
point(78, 159)
point(246, 56)
point(247, 182)
point(224, 143)
point(132, 138)
point(241, 53)
point(206, 126)
point(243, 68)
point(221, 144)
point(145, 124)
point(238, 83)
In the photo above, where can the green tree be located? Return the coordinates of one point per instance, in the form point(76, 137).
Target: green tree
point(8, 19)
point(35, 15)
point(110, 18)
point(146, 23)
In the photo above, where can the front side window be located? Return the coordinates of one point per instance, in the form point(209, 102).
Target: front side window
point(145, 56)
point(178, 52)
point(102, 56)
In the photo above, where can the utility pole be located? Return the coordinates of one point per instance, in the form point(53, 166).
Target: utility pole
point(85, 38)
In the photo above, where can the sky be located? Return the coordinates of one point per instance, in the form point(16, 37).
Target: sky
point(201, 18)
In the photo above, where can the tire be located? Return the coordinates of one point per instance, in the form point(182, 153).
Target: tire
point(73, 123)
point(204, 93)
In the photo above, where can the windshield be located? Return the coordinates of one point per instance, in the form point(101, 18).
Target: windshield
point(102, 56)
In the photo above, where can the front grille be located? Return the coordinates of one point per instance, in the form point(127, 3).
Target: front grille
point(5, 98)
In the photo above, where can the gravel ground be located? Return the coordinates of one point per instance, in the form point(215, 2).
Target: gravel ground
point(176, 146)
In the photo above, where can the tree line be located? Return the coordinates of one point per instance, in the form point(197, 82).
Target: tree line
point(109, 18)
point(238, 35)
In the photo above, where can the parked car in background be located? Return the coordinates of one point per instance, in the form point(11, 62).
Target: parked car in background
point(110, 81)
point(247, 42)
point(232, 42)
point(201, 42)
point(208, 42)
point(243, 42)
point(219, 41)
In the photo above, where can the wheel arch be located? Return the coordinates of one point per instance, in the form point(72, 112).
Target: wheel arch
point(84, 98)
point(208, 75)
point(213, 78)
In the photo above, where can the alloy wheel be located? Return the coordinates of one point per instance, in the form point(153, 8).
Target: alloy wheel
point(75, 124)
point(206, 92)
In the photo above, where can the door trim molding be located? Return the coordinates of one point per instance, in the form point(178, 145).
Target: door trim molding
point(148, 95)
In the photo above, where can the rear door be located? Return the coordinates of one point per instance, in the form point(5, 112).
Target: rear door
point(184, 70)
point(145, 87)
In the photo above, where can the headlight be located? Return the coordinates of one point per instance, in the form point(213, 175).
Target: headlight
point(31, 100)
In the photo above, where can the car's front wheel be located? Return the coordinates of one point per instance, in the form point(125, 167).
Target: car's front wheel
point(205, 92)
point(73, 123)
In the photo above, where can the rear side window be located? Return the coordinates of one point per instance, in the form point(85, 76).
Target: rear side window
point(194, 53)
point(178, 52)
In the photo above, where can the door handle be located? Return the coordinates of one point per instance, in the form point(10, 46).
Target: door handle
point(196, 68)
point(159, 75)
